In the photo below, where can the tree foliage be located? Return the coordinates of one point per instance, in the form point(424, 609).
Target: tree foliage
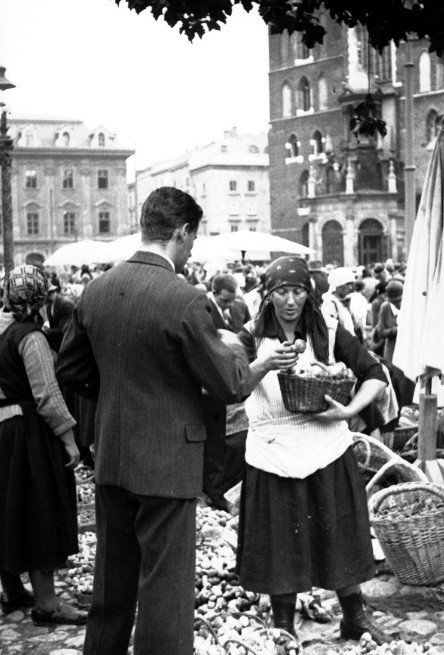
point(385, 20)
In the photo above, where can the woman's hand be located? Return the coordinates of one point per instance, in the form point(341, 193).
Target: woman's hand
point(283, 356)
point(334, 412)
point(71, 449)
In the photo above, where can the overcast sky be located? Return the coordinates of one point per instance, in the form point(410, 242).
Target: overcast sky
point(103, 64)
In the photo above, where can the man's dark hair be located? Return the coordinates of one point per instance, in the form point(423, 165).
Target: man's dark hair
point(165, 210)
point(222, 282)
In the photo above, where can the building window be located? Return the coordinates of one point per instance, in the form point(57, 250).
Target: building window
point(69, 224)
point(252, 228)
point(223, 148)
point(303, 184)
point(68, 179)
point(66, 138)
point(292, 146)
point(439, 76)
point(104, 223)
point(234, 227)
point(286, 100)
point(233, 185)
point(322, 93)
point(31, 179)
point(32, 223)
point(285, 42)
point(101, 140)
point(432, 125)
point(251, 185)
point(253, 149)
point(317, 143)
point(102, 179)
point(252, 209)
point(305, 51)
point(29, 140)
point(304, 94)
point(424, 73)
point(233, 208)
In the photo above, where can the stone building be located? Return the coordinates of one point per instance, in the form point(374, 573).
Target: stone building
point(328, 191)
point(228, 178)
point(68, 184)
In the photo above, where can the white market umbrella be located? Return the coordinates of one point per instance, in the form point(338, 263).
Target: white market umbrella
point(245, 241)
point(124, 247)
point(78, 253)
point(419, 346)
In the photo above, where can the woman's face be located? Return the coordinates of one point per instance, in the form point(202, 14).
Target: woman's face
point(288, 302)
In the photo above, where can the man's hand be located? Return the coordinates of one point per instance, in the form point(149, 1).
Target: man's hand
point(334, 412)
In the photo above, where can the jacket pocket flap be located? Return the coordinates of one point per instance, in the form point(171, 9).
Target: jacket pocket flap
point(195, 432)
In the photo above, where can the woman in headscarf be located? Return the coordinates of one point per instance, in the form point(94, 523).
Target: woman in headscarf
point(38, 514)
point(304, 517)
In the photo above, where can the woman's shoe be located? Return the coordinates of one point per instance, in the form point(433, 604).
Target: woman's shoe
point(10, 601)
point(355, 621)
point(283, 616)
point(64, 614)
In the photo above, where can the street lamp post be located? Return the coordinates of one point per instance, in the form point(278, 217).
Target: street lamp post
point(6, 146)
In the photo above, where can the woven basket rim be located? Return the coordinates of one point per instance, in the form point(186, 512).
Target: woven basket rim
point(404, 487)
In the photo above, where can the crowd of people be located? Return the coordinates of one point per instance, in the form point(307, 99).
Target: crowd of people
point(165, 381)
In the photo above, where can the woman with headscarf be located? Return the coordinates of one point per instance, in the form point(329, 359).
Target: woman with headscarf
point(38, 514)
point(304, 517)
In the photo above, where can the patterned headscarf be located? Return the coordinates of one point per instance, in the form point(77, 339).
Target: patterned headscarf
point(25, 291)
point(291, 271)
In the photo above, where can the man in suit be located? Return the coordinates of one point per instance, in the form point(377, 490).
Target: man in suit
point(223, 300)
point(144, 340)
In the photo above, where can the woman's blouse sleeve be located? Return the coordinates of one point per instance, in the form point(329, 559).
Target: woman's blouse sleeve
point(355, 356)
point(37, 358)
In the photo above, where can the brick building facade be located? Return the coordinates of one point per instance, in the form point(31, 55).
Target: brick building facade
point(68, 184)
point(329, 192)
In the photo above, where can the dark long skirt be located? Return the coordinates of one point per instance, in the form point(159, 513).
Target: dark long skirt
point(38, 519)
point(297, 534)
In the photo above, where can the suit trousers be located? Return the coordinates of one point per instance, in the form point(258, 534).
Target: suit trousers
point(146, 552)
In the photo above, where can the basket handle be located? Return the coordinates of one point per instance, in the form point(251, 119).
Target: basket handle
point(376, 500)
point(240, 643)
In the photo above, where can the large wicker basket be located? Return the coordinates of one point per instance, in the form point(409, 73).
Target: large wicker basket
point(413, 545)
point(306, 394)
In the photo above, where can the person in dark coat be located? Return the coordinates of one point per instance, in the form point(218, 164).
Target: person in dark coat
point(142, 341)
point(58, 314)
point(304, 518)
point(38, 513)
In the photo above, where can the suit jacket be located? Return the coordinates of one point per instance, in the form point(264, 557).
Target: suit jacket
point(218, 321)
point(145, 341)
point(58, 320)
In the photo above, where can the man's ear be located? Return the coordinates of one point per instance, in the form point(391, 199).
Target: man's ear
point(183, 231)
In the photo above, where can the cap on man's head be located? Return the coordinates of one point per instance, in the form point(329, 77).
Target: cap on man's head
point(378, 268)
point(394, 291)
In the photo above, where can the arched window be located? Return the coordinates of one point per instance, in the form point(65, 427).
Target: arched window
point(317, 142)
point(322, 93)
point(285, 42)
point(304, 93)
point(286, 100)
point(371, 242)
point(253, 149)
point(432, 125)
point(292, 146)
point(424, 73)
point(303, 184)
point(101, 140)
point(29, 139)
point(323, 45)
point(332, 243)
point(65, 138)
point(294, 46)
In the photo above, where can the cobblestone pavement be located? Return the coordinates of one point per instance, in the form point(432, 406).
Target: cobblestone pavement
point(416, 613)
